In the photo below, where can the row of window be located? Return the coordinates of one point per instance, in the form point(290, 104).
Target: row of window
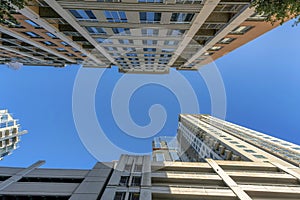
point(120, 16)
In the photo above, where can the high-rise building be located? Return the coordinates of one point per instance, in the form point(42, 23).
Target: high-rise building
point(9, 133)
point(139, 178)
point(204, 136)
point(138, 36)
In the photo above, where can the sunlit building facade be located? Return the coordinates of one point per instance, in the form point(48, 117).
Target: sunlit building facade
point(204, 136)
point(10, 133)
point(140, 178)
point(138, 36)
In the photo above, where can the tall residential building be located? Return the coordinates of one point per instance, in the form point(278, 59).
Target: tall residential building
point(139, 178)
point(138, 36)
point(9, 133)
point(204, 136)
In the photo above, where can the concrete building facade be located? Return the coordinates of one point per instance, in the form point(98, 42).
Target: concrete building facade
point(138, 36)
point(139, 178)
point(10, 133)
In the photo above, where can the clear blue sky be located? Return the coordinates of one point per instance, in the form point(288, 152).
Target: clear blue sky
point(262, 82)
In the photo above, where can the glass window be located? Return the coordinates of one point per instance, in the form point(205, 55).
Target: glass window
point(259, 156)
point(96, 30)
point(150, 49)
point(160, 157)
point(182, 17)
point(51, 35)
point(171, 42)
point(121, 31)
point(115, 16)
point(136, 181)
point(83, 14)
point(226, 40)
point(241, 29)
point(129, 49)
point(131, 54)
point(134, 196)
point(120, 196)
point(167, 50)
point(35, 25)
point(241, 146)
point(150, 1)
point(124, 180)
point(175, 32)
point(48, 43)
point(249, 151)
point(61, 49)
point(150, 32)
point(32, 34)
point(64, 43)
point(150, 17)
point(215, 48)
point(149, 42)
point(149, 55)
point(104, 41)
point(126, 41)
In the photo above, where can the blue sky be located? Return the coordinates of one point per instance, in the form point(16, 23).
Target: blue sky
point(261, 78)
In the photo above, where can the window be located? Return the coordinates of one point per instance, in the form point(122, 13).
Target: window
point(83, 14)
point(241, 146)
point(75, 50)
point(64, 43)
point(96, 30)
point(48, 43)
point(182, 17)
point(233, 142)
point(150, 17)
point(131, 54)
point(160, 157)
point(104, 41)
point(61, 49)
point(111, 48)
point(149, 42)
point(215, 48)
point(115, 16)
point(32, 34)
point(167, 50)
point(124, 180)
point(241, 29)
point(259, 156)
point(134, 196)
point(175, 32)
point(149, 55)
point(129, 49)
point(151, 1)
point(126, 41)
point(171, 42)
point(226, 40)
point(35, 25)
point(51, 35)
point(120, 196)
point(149, 49)
point(249, 151)
point(150, 32)
point(121, 31)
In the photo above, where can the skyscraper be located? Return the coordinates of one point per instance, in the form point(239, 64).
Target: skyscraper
point(204, 136)
point(138, 36)
point(9, 133)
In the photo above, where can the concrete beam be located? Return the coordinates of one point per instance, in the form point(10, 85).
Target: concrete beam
point(47, 26)
point(207, 8)
point(70, 19)
point(240, 193)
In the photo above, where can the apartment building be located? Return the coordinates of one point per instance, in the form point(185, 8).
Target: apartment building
point(10, 133)
point(138, 36)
